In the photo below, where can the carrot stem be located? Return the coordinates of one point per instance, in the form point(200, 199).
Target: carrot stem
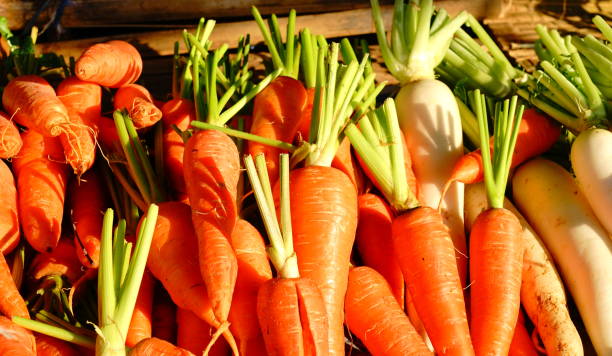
point(56, 332)
point(245, 135)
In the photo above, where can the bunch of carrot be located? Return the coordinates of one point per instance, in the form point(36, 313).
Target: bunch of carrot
point(361, 210)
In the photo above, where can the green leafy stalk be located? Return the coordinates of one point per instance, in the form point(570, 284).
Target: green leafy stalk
point(378, 141)
point(281, 251)
point(56, 332)
point(416, 48)
point(283, 55)
point(245, 135)
point(603, 26)
point(506, 125)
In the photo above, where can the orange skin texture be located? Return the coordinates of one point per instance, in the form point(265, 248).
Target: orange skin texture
point(10, 140)
point(375, 317)
point(292, 317)
point(11, 302)
point(521, 344)
point(179, 112)
point(304, 127)
point(141, 324)
point(426, 254)
point(50, 346)
point(277, 112)
point(9, 217)
point(31, 101)
point(212, 170)
point(155, 346)
point(496, 262)
point(194, 334)
point(324, 221)
point(107, 135)
point(344, 161)
point(138, 102)
point(62, 261)
point(88, 202)
point(15, 340)
point(253, 271)
point(110, 64)
point(41, 185)
point(373, 240)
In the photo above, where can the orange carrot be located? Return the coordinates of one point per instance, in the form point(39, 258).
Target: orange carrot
point(164, 316)
point(41, 184)
point(537, 134)
point(179, 112)
point(10, 141)
point(154, 346)
point(9, 218)
point(15, 340)
point(83, 101)
point(253, 271)
point(193, 334)
point(212, 170)
point(283, 303)
point(88, 202)
point(344, 161)
point(521, 341)
point(426, 255)
point(140, 325)
point(32, 102)
point(373, 240)
point(324, 220)
point(62, 261)
point(111, 64)
point(277, 112)
point(173, 260)
point(304, 127)
point(108, 135)
point(50, 346)
point(11, 302)
point(375, 317)
point(137, 100)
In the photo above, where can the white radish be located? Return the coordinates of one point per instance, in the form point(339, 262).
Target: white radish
point(542, 291)
point(551, 201)
point(591, 157)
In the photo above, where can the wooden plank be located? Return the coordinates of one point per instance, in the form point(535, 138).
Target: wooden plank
point(94, 13)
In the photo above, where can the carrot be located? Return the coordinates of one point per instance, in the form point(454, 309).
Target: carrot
point(173, 260)
point(154, 346)
point(193, 334)
point(537, 134)
point(41, 184)
point(10, 141)
point(9, 217)
point(496, 249)
point(15, 340)
point(140, 325)
point(212, 169)
point(521, 344)
point(303, 130)
point(253, 271)
point(375, 317)
point(62, 261)
point(108, 135)
point(111, 64)
point(179, 112)
point(137, 100)
point(344, 161)
point(50, 346)
point(277, 112)
point(164, 316)
point(83, 102)
point(88, 202)
point(11, 302)
point(32, 102)
point(373, 240)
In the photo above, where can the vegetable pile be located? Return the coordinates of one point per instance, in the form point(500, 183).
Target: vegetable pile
point(299, 211)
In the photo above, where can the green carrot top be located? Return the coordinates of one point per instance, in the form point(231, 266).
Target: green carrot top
point(506, 126)
point(416, 46)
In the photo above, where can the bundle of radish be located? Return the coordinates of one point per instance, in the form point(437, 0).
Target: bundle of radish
point(290, 308)
point(553, 204)
point(421, 242)
point(542, 291)
point(427, 110)
point(111, 64)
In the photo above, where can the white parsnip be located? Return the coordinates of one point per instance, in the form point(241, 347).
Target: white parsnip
point(551, 201)
point(542, 291)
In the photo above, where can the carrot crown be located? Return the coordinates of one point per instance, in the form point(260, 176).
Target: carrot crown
point(281, 252)
point(416, 47)
point(377, 140)
point(506, 125)
point(285, 56)
point(341, 92)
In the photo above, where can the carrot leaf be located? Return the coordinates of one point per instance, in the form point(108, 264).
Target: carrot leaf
point(283, 55)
